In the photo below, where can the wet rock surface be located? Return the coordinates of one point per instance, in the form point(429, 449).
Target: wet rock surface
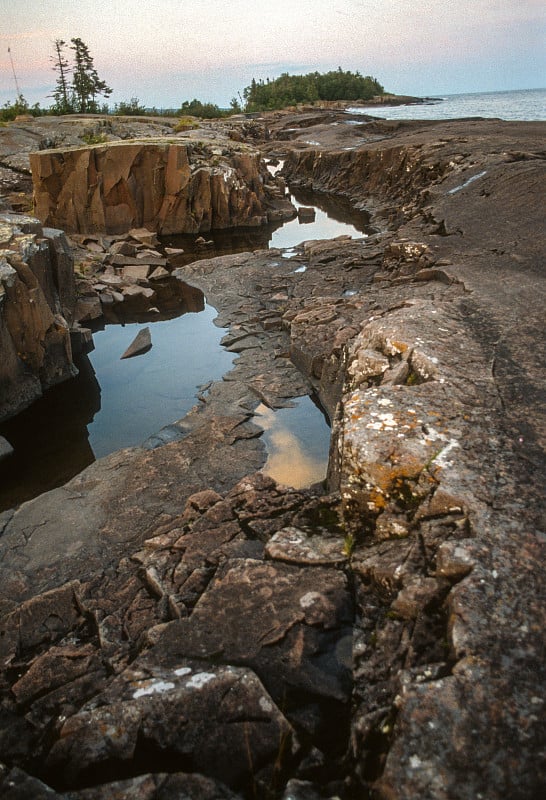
point(174, 621)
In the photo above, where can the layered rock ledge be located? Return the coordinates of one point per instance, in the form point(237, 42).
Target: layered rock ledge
point(165, 186)
point(176, 622)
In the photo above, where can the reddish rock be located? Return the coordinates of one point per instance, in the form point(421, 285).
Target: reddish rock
point(147, 187)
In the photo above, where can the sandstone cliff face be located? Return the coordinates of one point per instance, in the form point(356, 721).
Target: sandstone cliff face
point(37, 298)
point(164, 186)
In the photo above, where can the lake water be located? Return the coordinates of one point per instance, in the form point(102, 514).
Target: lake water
point(524, 104)
point(117, 403)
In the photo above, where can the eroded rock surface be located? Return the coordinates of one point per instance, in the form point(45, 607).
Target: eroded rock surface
point(164, 186)
point(37, 301)
point(174, 621)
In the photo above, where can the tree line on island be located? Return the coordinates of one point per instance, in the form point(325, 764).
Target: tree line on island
point(78, 90)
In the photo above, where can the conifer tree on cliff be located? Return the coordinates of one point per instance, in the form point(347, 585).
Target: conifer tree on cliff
point(86, 84)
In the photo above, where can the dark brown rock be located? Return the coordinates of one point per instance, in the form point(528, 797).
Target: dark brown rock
point(427, 570)
point(194, 716)
point(303, 612)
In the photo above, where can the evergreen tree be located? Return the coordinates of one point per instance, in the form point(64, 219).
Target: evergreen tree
point(86, 83)
point(62, 95)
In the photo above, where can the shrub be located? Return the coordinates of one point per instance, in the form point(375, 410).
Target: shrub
point(132, 108)
point(92, 137)
point(186, 124)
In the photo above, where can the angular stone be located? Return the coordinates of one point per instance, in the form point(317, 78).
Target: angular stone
point(111, 280)
point(143, 235)
point(215, 720)
point(298, 547)
point(159, 274)
point(140, 344)
point(5, 448)
point(288, 615)
point(412, 599)
point(137, 272)
point(123, 248)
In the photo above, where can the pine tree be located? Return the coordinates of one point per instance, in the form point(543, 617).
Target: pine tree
point(86, 83)
point(62, 94)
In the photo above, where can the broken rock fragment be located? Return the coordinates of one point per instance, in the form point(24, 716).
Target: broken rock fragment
point(140, 344)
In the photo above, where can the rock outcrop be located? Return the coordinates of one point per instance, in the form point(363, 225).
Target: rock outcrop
point(163, 185)
point(37, 300)
point(174, 621)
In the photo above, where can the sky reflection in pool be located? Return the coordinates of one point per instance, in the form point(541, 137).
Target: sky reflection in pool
point(297, 440)
point(122, 403)
point(142, 394)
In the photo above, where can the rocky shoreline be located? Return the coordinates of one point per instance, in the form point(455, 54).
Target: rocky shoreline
point(175, 622)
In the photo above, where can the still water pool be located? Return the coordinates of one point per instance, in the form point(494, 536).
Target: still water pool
point(117, 403)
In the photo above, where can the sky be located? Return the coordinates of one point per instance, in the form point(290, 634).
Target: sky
point(163, 52)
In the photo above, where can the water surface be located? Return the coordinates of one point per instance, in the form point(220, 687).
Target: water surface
point(523, 104)
point(117, 403)
point(297, 440)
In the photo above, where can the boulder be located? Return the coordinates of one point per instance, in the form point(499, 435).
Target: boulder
point(192, 714)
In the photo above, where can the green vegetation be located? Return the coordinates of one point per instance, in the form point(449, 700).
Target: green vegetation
point(91, 137)
point(79, 85)
point(349, 543)
point(9, 111)
point(132, 108)
point(289, 90)
point(195, 108)
point(186, 124)
point(78, 88)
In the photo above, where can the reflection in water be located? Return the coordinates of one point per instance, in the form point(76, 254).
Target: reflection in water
point(297, 440)
point(114, 404)
point(50, 438)
point(141, 395)
point(334, 217)
point(172, 298)
point(78, 421)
